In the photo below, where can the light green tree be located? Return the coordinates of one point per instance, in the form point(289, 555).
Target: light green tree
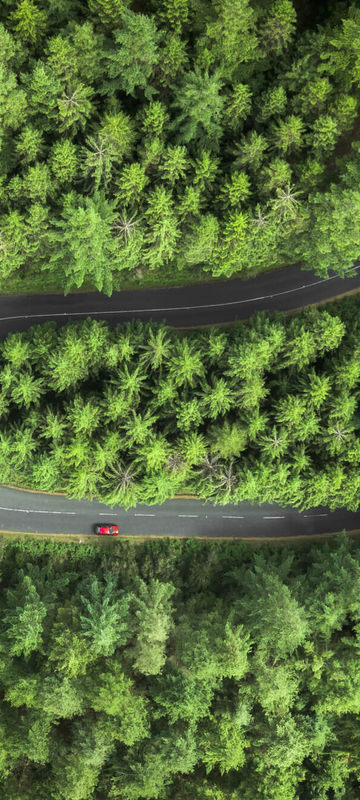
point(23, 618)
point(153, 611)
point(87, 245)
point(132, 63)
point(28, 21)
point(199, 104)
point(104, 617)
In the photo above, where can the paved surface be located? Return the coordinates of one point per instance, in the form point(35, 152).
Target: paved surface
point(24, 511)
point(203, 304)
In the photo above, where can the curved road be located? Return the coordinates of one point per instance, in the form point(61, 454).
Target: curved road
point(37, 513)
point(204, 304)
point(201, 304)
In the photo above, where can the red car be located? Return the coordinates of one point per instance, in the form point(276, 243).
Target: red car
point(107, 530)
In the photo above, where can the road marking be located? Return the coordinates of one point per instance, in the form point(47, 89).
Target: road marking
point(102, 514)
point(34, 511)
point(144, 515)
point(193, 516)
point(229, 516)
point(315, 515)
point(176, 308)
point(273, 517)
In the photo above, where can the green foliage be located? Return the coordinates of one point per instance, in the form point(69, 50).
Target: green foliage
point(175, 13)
point(174, 165)
point(279, 27)
point(136, 56)
point(180, 673)
point(28, 21)
point(108, 11)
point(132, 182)
point(64, 161)
point(202, 240)
point(225, 103)
point(200, 104)
point(84, 232)
point(153, 623)
point(29, 144)
point(272, 103)
point(174, 59)
point(333, 229)
point(74, 107)
point(118, 133)
point(232, 36)
point(104, 618)
point(23, 619)
point(239, 106)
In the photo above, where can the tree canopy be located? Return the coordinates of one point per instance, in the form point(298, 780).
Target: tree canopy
point(171, 669)
point(176, 139)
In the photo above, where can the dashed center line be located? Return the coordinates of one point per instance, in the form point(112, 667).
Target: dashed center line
point(35, 511)
point(102, 514)
point(193, 516)
point(144, 515)
point(315, 515)
point(274, 517)
point(230, 516)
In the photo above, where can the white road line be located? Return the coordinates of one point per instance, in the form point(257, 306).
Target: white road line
point(273, 517)
point(34, 511)
point(101, 514)
point(144, 515)
point(193, 516)
point(175, 308)
point(230, 516)
point(315, 515)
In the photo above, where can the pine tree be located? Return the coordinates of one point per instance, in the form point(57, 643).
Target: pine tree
point(238, 107)
point(174, 13)
point(324, 135)
point(200, 103)
point(132, 183)
point(135, 59)
point(109, 12)
point(331, 240)
point(28, 21)
point(74, 107)
point(174, 164)
point(174, 59)
point(232, 36)
point(288, 134)
point(200, 243)
point(98, 161)
point(23, 619)
point(104, 618)
point(118, 132)
point(279, 27)
point(30, 144)
point(153, 623)
point(87, 246)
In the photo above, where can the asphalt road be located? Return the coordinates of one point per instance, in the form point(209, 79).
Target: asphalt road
point(37, 513)
point(202, 304)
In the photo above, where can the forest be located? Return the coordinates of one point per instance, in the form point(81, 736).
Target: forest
point(176, 139)
point(262, 411)
point(179, 669)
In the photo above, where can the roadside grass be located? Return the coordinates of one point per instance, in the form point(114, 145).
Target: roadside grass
point(109, 542)
point(32, 282)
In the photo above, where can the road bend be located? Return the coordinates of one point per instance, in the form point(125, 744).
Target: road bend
point(186, 306)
